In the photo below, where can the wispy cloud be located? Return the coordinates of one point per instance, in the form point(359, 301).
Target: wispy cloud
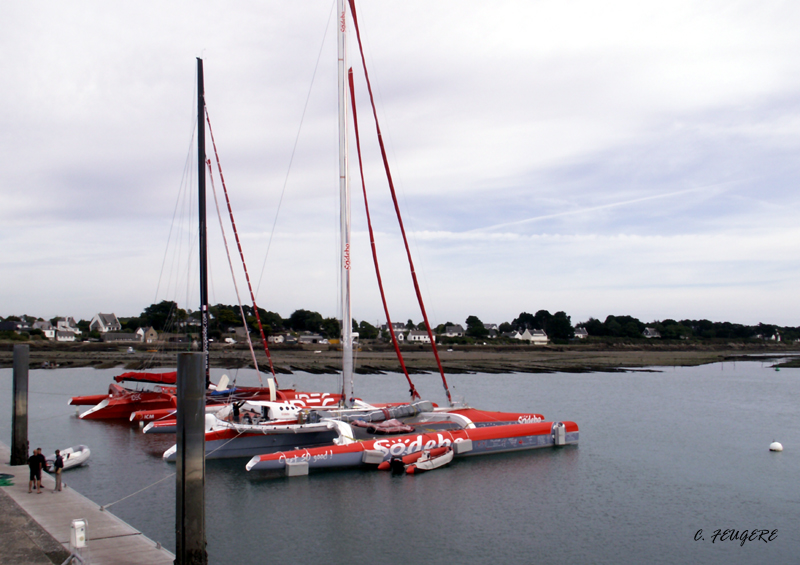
point(714, 189)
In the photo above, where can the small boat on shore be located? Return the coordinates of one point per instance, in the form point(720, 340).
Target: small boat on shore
point(75, 456)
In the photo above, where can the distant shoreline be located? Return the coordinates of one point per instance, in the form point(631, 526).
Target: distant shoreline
point(324, 359)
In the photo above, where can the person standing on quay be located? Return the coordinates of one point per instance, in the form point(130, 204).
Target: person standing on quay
point(58, 465)
point(35, 463)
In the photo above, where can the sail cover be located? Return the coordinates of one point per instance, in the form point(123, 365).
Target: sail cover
point(160, 378)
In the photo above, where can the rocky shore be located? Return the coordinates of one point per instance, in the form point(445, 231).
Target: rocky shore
point(597, 356)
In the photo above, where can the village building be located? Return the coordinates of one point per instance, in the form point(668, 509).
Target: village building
point(419, 336)
point(651, 333)
point(67, 324)
point(581, 333)
point(306, 339)
point(454, 331)
point(47, 328)
point(104, 323)
point(64, 336)
point(147, 335)
point(536, 337)
point(396, 326)
point(14, 326)
point(120, 336)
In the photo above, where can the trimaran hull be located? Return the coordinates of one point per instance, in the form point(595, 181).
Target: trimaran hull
point(266, 438)
point(478, 441)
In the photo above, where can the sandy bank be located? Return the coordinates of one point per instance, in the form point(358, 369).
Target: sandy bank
point(598, 357)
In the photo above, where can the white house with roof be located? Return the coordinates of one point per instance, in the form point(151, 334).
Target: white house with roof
point(67, 324)
point(581, 333)
point(536, 337)
point(105, 323)
point(651, 333)
point(419, 336)
point(147, 335)
point(399, 331)
point(454, 331)
point(47, 328)
point(514, 334)
point(308, 338)
point(64, 336)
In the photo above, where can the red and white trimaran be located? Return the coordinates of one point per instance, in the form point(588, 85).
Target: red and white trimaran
point(353, 432)
point(291, 430)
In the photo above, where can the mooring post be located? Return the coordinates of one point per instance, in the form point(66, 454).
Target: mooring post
point(190, 523)
point(19, 419)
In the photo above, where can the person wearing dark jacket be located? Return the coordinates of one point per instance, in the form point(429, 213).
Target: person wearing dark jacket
point(58, 466)
point(36, 463)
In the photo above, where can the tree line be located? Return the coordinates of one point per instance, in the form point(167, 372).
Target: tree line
point(166, 316)
point(557, 326)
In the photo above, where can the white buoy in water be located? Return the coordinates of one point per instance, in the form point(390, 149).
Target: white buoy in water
point(775, 446)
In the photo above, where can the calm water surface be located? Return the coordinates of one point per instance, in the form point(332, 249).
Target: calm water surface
point(662, 455)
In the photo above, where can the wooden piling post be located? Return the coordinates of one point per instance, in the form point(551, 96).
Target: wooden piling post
point(190, 533)
point(19, 418)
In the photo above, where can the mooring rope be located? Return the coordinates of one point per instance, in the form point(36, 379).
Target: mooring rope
point(102, 508)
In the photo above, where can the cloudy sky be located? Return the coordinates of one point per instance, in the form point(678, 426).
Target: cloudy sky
point(597, 158)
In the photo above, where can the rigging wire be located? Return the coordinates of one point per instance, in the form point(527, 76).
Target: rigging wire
point(172, 225)
point(387, 136)
point(241, 255)
point(397, 208)
point(412, 390)
point(230, 264)
point(174, 235)
point(294, 150)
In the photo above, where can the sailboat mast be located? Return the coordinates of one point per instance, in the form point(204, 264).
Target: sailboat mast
point(201, 206)
point(344, 212)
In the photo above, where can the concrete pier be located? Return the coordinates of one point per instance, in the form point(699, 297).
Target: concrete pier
point(35, 528)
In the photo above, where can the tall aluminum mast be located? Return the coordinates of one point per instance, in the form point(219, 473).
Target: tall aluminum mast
point(344, 212)
point(201, 208)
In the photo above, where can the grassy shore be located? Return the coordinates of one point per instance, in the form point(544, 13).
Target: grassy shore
point(597, 356)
